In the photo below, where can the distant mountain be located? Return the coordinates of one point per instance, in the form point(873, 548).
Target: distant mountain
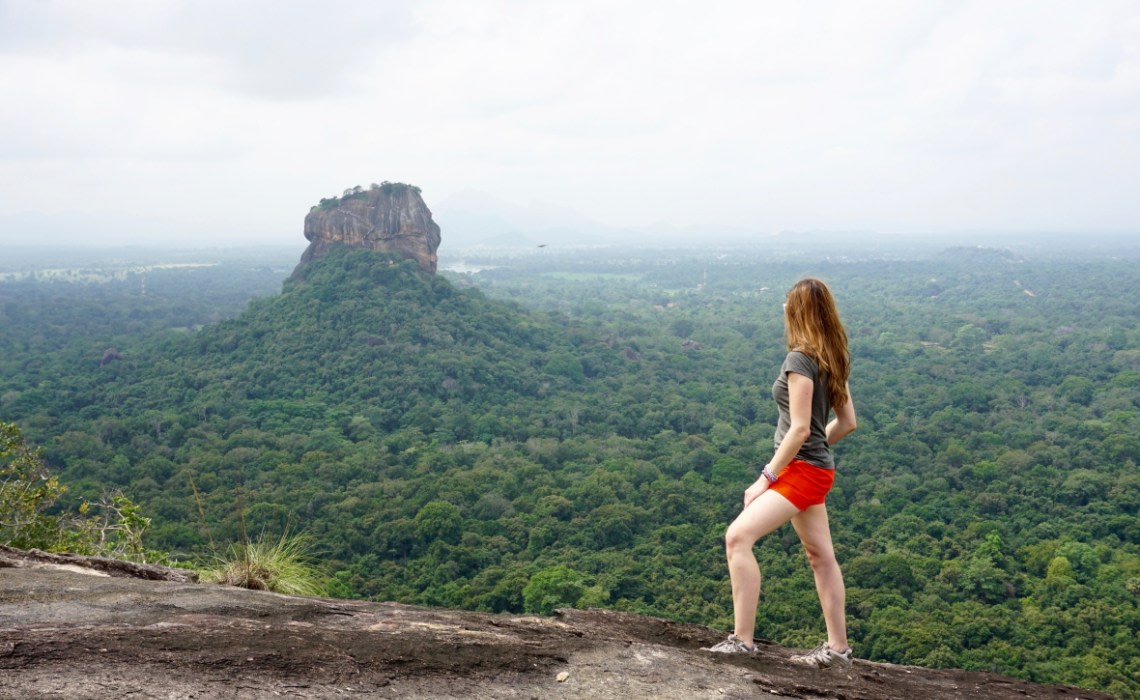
point(473, 219)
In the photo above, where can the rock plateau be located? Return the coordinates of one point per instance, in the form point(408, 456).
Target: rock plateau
point(390, 217)
point(105, 634)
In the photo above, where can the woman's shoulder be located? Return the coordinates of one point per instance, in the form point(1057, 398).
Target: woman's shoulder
point(801, 362)
point(802, 353)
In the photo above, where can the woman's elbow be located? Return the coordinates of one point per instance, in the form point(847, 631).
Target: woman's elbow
point(845, 428)
point(799, 433)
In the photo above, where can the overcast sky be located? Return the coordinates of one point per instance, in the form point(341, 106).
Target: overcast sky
point(223, 121)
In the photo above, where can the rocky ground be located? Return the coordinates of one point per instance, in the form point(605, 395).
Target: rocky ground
point(71, 630)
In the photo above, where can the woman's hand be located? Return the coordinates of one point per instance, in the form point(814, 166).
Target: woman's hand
point(753, 492)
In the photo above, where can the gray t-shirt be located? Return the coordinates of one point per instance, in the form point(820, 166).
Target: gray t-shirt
point(815, 449)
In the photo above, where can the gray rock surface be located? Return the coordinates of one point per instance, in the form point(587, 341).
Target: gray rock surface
point(69, 634)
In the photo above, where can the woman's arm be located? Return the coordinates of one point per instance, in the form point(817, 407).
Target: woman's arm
point(844, 422)
point(799, 409)
point(800, 390)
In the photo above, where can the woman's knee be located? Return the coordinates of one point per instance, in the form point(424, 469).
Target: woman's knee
point(736, 539)
point(820, 557)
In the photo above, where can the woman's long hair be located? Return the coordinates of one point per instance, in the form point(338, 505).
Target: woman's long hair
point(813, 328)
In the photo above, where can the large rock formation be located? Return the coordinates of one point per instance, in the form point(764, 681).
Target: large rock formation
point(391, 217)
point(66, 634)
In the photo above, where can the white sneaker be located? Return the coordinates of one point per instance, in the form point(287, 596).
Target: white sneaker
point(823, 656)
point(732, 645)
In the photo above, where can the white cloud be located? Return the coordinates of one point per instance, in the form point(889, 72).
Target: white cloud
point(229, 119)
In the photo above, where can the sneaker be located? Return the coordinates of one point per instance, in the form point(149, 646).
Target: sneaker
point(732, 645)
point(823, 656)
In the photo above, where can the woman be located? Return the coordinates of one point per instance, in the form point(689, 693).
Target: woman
point(794, 484)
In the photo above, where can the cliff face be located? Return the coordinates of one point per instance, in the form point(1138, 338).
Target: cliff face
point(391, 218)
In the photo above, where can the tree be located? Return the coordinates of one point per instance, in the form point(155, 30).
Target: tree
point(30, 516)
point(27, 492)
point(551, 588)
point(439, 520)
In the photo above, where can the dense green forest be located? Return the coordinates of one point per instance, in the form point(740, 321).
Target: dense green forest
point(577, 429)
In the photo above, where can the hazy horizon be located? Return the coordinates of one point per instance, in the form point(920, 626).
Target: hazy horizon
point(454, 256)
point(217, 124)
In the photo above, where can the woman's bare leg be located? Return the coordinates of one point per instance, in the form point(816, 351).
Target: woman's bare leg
point(815, 533)
point(768, 512)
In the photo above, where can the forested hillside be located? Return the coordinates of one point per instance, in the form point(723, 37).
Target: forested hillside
point(577, 430)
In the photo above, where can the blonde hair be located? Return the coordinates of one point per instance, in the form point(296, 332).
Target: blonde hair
point(813, 327)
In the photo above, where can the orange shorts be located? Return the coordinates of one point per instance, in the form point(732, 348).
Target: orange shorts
point(804, 484)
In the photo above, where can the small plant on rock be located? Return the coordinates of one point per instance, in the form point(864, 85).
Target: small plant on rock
point(265, 564)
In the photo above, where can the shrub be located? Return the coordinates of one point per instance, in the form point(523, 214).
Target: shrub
point(27, 491)
point(112, 526)
point(267, 565)
point(551, 588)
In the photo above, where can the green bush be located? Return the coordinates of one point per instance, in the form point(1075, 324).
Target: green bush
point(112, 526)
point(27, 491)
point(552, 588)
